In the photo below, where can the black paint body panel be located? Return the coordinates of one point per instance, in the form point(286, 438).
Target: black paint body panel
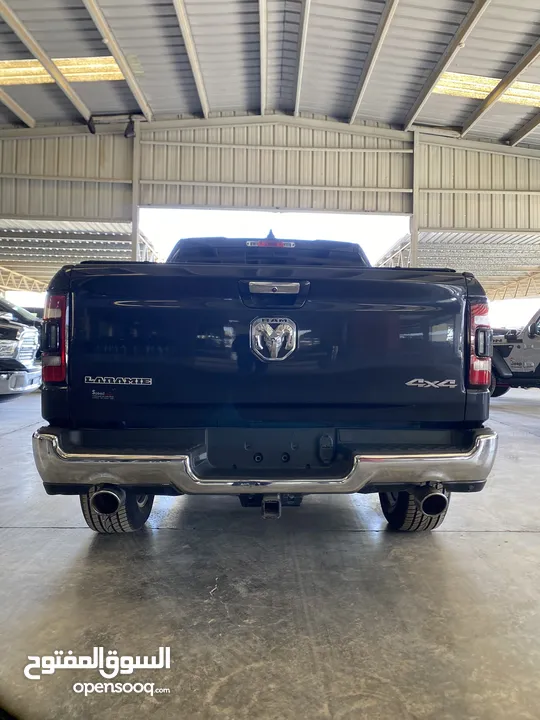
point(363, 334)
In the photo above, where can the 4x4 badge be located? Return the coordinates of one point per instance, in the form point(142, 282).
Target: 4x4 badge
point(421, 383)
point(272, 338)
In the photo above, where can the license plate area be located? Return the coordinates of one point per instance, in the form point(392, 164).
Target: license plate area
point(273, 449)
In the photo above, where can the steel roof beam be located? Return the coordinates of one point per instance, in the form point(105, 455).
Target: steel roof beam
point(457, 42)
point(12, 20)
point(13, 280)
point(306, 6)
point(185, 29)
point(109, 39)
point(374, 52)
point(58, 260)
point(11, 247)
point(509, 79)
point(450, 246)
point(16, 109)
point(83, 237)
point(263, 51)
point(476, 257)
point(520, 286)
point(525, 131)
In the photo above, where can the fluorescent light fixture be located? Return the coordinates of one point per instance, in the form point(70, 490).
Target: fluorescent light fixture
point(479, 87)
point(83, 69)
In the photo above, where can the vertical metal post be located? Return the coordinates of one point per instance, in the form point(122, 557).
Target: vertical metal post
point(135, 192)
point(413, 258)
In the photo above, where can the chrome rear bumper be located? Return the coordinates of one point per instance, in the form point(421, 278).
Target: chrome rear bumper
point(58, 467)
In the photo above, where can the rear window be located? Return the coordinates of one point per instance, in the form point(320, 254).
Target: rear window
point(253, 251)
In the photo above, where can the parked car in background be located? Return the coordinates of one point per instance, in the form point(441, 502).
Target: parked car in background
point(516, 357)
point(21, 315)
point(37, 311)
point(20, 368)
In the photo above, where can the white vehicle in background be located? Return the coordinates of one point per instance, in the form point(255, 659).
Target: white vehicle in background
point(516, 346)
point(20, 367)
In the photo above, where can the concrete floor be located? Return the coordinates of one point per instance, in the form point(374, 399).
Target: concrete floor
point(323, 614)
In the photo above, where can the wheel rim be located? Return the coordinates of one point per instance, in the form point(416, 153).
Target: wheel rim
point(141, 500)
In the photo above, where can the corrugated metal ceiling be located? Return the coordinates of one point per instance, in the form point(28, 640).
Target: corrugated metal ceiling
point(149, 34)
point(283, 39)
point(506, 31)
point(338, 41)
point(38, 248)
point(227, 47)
point(495, 258)
point(418, 35)
point(64, 226)
point(226, 36)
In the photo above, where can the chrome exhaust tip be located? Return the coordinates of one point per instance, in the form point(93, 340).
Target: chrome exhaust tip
point(107, 500)
point(430, 501)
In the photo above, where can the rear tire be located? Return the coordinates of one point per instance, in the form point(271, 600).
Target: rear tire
point(403, 514)
point(130, 517)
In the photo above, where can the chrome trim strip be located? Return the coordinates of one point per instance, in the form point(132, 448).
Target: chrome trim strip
point(57, 466)
point(274, 288)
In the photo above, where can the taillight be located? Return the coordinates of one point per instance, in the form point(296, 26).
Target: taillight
point(53, 339)
point(481, 346)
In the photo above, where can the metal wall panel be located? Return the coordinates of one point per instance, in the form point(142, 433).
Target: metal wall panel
point(86, 177)
point(275, 166)
point(467, 189)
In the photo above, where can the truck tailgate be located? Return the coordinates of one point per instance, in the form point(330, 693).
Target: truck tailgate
point(176, 346)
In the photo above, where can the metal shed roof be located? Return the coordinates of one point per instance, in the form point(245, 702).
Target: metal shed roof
point(350, 60)
point(36, 249)
point(503, 262)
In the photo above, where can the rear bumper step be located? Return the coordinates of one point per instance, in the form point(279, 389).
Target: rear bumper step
point(460, 469)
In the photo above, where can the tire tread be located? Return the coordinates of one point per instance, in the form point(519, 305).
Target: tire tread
point(129, 517)
point(406, 516)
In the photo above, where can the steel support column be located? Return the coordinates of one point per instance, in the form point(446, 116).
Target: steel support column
point(135, 192)
point(414, 221)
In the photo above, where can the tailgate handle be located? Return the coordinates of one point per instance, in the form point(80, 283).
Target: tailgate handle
point(273, 288)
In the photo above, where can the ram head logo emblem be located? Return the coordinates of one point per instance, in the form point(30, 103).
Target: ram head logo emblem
point(272, 338)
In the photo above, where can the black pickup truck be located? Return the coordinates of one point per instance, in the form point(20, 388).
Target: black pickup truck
point(266, 369)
